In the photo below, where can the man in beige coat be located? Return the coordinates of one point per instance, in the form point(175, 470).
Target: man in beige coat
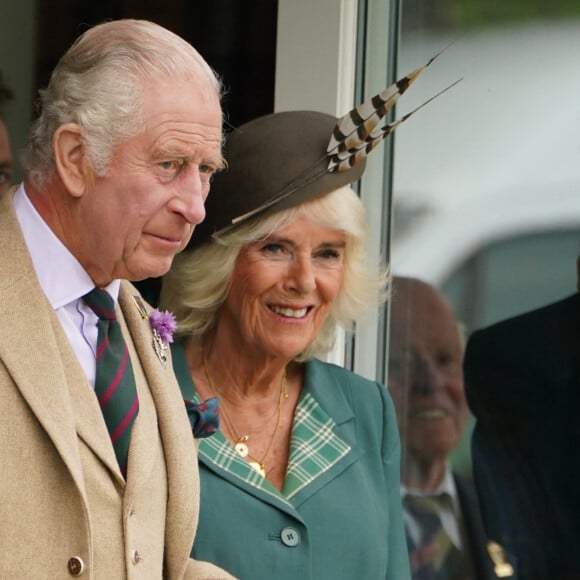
point(117, 172)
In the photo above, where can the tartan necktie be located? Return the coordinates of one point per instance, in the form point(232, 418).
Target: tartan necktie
point(114, 381)
point(450, 563)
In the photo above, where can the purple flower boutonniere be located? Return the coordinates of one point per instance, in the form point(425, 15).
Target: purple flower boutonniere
point(163, 325)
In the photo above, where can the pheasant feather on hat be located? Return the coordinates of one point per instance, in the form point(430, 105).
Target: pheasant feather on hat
point(284, 159)
point(358, 132)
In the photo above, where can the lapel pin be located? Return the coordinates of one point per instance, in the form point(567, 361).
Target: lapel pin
point(162, 325)
point(501, 567)
point(140, 306)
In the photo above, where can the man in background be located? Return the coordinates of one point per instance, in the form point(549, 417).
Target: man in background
point(6, 162)
point(98, 461)
point(443, 522)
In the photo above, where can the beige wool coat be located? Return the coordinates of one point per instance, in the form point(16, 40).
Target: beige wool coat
point(65, 509)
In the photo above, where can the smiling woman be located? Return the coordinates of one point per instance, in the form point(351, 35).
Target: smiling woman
point(257, 296)
point(282, 288)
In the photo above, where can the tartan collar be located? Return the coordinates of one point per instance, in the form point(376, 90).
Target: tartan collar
point(314, 449)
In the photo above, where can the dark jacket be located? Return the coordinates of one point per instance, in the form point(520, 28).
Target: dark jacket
point(522, 381)
point(476, 538)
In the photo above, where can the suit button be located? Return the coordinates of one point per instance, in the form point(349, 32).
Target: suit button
point(290, 537)
point(76, 566)
point(136, 557)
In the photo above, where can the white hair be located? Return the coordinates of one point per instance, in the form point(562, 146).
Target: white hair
point(100, 84)
point(198, 283)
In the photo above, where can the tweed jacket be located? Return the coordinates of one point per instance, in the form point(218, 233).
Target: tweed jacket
point(522, 380)
point(343, 524)
point(65, 508)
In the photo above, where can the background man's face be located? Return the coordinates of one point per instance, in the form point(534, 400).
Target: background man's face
point(425, 373)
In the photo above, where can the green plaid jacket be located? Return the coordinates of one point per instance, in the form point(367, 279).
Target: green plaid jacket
point(339, 515)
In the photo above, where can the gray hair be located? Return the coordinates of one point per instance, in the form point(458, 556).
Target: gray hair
point(100, 84)
point(198, 283)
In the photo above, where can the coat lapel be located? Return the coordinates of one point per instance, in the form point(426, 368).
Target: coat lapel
point(89, 422)
point(479, 543)
point(177, 440)
point(220, 457)
point(33, 346)
point(320, 383)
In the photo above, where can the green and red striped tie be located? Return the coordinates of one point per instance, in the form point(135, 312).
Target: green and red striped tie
point(114, 382)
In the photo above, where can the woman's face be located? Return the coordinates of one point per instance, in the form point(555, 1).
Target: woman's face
point(283, 288)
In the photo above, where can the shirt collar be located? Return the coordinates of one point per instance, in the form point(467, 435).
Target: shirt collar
point(51, 258)
point(447, 486)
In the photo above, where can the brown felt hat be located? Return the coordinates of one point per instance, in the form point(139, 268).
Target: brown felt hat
point(274, 162)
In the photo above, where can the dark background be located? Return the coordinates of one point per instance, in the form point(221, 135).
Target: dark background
point(236, 37)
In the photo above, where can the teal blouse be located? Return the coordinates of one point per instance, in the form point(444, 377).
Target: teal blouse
point(339, 515)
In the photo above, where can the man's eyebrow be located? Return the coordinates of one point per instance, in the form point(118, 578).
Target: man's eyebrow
point(216, 160)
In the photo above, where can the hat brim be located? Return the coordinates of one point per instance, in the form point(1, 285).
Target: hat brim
point(274, 162)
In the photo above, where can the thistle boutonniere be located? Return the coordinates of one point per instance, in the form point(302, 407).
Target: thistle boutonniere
point(163, 325)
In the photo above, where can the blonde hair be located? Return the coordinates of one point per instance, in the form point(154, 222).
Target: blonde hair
point(198, 283)
point(100, 84)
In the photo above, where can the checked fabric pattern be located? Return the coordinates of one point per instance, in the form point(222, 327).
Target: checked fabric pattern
point(114, 383)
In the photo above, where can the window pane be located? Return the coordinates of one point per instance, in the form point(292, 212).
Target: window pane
point(512, 276)
point(486, 210)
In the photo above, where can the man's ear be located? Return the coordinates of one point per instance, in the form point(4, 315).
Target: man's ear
point(69, 156)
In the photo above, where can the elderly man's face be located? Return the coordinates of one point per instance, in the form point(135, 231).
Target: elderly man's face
point(6, 167)
point(144, 211)
point(425, 372)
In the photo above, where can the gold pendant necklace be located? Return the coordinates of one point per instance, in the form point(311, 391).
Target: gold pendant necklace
point(241, 444)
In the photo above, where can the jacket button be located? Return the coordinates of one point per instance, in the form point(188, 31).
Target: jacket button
point(76, 566)
point(136, 557)
point(290, 537)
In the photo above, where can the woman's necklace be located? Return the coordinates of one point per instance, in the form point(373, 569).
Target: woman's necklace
point(241, 445)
